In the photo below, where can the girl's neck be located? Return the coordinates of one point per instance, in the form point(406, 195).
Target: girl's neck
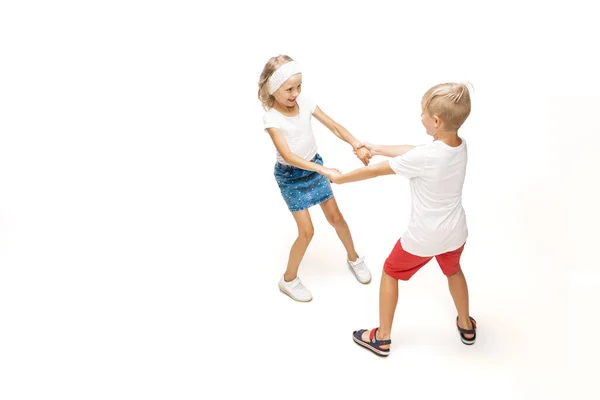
point(286, 110)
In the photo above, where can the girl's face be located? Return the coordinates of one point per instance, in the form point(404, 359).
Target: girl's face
point(287, 93)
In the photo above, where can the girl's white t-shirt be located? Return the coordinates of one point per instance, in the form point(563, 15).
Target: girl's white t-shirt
point(438, 222)
point(297, 130)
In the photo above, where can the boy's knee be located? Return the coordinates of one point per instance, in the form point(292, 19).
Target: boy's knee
point(458, 272)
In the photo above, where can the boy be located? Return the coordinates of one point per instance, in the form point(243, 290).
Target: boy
point(437, 226)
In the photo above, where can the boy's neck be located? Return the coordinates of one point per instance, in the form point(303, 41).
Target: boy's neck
point(448, 137)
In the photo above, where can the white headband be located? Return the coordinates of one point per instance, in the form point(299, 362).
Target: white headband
point(282, 74)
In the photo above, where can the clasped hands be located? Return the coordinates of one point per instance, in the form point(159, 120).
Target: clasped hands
point(363, 151)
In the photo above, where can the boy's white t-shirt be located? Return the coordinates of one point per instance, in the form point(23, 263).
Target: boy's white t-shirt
point(438, 223)
point(297, 130)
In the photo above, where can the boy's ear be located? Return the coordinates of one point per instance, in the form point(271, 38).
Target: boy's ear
point(437, 121)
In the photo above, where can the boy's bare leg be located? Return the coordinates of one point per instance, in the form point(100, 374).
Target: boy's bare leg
point(460, 294)
point(388, 299)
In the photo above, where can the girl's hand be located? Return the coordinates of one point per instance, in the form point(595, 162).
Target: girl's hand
point(366, 145)
point(333, 174)
point(363, 153)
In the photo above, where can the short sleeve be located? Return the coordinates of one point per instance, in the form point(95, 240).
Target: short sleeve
point(270, 120)
point(411, 164)
point(308, 103)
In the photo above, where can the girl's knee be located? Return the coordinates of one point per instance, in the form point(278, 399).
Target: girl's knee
point(306, 234)
point(336, 219)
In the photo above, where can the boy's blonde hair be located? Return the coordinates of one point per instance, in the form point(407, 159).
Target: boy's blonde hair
point(271, 66)
point(449, 101)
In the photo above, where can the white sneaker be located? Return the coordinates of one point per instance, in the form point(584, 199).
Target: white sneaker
point(295, 289)
point(360, 269)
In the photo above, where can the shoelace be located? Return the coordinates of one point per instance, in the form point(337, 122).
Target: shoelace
point(298, 286)
point(359, 264)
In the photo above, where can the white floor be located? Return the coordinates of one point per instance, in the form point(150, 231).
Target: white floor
point(142, 234)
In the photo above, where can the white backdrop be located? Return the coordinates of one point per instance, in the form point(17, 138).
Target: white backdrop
point(142, 233)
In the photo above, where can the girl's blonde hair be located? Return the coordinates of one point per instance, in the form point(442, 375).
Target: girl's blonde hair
point(271, 66)
point(449, 101)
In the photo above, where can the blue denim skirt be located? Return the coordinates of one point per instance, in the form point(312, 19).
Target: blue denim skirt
point(301, 188)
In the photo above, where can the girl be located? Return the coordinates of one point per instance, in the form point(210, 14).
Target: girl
point(299, 169)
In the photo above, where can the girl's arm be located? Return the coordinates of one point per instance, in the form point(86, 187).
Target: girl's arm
point(336, 128)
point(291, 158)
point(341, 132)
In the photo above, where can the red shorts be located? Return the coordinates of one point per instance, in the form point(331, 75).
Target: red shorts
point(402, 265)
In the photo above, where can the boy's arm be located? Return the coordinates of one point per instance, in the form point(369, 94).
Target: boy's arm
point(388, 151)
point(372, 171)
